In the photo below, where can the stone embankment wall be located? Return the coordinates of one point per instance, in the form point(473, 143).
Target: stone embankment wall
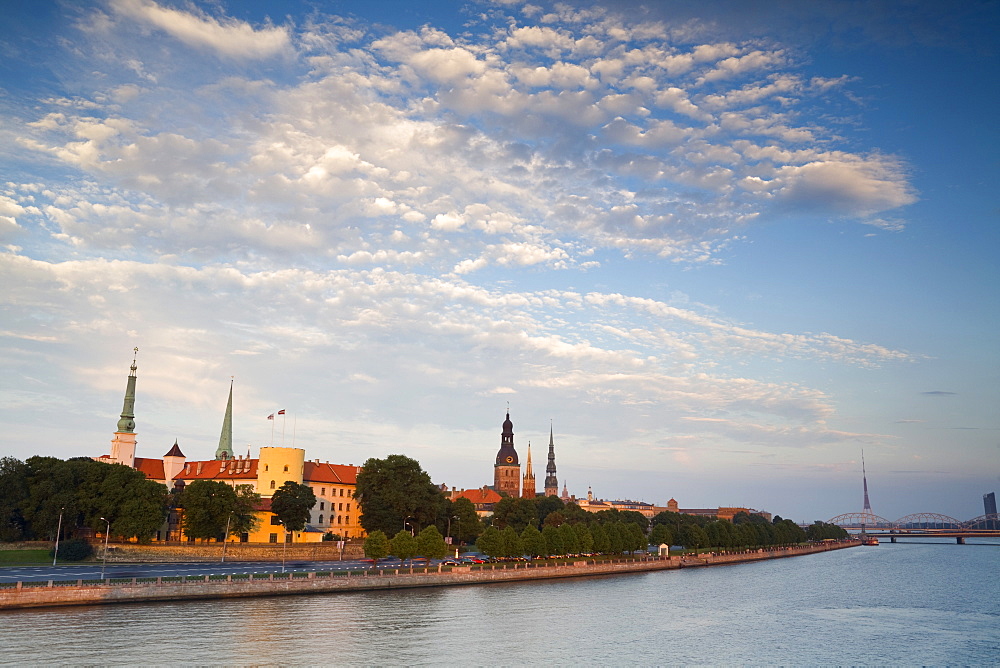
point(52, 594)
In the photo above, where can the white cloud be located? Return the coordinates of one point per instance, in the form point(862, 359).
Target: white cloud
point(229, 38)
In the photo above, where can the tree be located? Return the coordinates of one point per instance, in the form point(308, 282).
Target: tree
point(392, 491)
point(660, 535)
point(13, 495)
point(555, 518)
point(465, 523)
point(601, 543)
point(533, 542)
point(692, 537)
point(635, 517)
point(245, 518)
point(292, 503)
point(207, 505)
point(634, 538)
point(404, 546)
point(583, 536)
point(510, 543)
point(376, 546)
point(548, 504)
point(569, 540)
point(430, 543)
point(553, 541)
point(616, 543)
point(489, 542)
point(517, 513)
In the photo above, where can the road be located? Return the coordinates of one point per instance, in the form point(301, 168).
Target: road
point(92, 571)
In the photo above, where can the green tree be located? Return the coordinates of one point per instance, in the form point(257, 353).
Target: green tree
point(583, 537)
point(245, 518)
point(292, 503)
point(569, 539)
point(602, 544)
point(661, 535)
point(548, 504)
point(555, 519)
point(490, 543)
point(430, 543)
point(404, 546)
point(616, 542)
point(533, 542)
point(510, 541)
point(635, 517)
point(13, 498)
point(553, 541)
point(517, 513)
point(395, 490)
point(376, 546)
point(465, 524)
point(634, 538)
point(574, 514)
point(692, 537)
point(207, 505)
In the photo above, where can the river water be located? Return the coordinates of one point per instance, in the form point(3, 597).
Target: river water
point(906, 603)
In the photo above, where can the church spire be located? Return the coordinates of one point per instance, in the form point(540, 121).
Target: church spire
point(551, 482)
point(507, 470)
point(528, 484)
point(225, 449)
point(126, 424)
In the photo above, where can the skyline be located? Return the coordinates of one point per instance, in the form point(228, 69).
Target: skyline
point(720, 248)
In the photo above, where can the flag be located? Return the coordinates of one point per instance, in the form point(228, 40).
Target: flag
point(271, 416)
point(281, 412)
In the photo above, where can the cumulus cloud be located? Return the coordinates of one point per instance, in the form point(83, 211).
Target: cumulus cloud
point(229, 38)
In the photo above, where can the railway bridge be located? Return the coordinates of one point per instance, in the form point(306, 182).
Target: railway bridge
point(920, 525)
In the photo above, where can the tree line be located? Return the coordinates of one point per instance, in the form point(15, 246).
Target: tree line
point(398, 500)
point(43, 495)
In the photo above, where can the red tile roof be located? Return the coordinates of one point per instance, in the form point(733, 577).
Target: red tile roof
point(330, 473)
point(479, 495)
point(151, 468)
point(219, 469)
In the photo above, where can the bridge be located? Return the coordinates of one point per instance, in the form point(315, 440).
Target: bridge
point(920, 525)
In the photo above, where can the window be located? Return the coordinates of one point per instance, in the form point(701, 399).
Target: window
point(320, 520)
point(265, 467)
point(341, 507)
point(273, 538)
point(286, 468)
point(348, 507)
point(288, 537)
point(244, 538)
point(341, 491)
point(322, 491)
point(347, 519)
point(321, 505)
point(340, 520)
point(272, 484)
point(275, 521)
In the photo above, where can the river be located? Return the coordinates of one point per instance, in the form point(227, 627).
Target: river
point(905, 603)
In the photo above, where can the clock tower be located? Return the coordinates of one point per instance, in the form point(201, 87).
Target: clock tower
point(507, 470)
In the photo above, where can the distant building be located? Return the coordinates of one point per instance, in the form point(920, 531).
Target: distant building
point(528, 489)
point(483, 499)
point(990, 503)
point(551, 482)
point(507, 470)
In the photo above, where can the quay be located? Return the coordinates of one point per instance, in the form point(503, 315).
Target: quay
point(75, 592)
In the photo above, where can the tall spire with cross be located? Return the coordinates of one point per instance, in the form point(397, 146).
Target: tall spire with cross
point(123, 444)
point(551, 482)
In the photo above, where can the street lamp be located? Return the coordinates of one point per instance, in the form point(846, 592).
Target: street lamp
point(450, 518)
point(107, 534)
point(225, 537)
point(55, 553)
point(406, 523)
point(284, 545)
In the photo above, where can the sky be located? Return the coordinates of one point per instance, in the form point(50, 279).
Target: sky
point(721, 249)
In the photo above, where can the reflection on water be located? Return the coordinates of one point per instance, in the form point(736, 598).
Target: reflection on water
point(896, 604)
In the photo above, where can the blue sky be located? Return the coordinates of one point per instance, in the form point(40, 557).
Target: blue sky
point(721, 248)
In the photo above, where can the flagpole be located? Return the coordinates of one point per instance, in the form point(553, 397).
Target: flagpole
point(272, 429)
point(283, 418)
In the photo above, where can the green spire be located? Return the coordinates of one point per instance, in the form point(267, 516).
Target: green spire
point(126, 425)
point(225, 450)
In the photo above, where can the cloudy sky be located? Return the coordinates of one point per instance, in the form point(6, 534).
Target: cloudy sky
point(721, 248)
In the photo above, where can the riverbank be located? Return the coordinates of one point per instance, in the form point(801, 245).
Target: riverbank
point(26, 595)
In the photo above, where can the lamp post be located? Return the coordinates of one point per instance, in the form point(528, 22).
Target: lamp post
point(107, 535)
point(225, 537)
point(284, 545)
point(55, 552)
point(450, 518)
point(406, 524)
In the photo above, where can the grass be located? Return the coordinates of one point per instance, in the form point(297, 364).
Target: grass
point(24, 557)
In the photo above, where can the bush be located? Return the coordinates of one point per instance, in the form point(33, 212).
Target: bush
point(74, 549)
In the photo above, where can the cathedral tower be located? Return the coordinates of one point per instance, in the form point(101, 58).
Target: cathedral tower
point(507, 470)
point(225, 449)
point(528, 487)
point(123, 444)
point(551, 482)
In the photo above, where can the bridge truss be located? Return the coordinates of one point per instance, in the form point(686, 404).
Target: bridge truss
point(915, 522)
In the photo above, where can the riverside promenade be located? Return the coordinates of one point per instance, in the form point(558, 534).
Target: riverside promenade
point(61, 593)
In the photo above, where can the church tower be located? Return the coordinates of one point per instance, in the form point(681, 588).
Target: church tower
point(528, 487)
point(551, 482)
point(507, 470)
point(225, 449)
point(123, 444)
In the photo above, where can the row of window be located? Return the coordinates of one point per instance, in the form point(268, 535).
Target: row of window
point(322, 506)
point(333, 491)
point(341, 519)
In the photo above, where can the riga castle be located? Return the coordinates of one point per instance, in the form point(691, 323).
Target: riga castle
point(335, 511)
